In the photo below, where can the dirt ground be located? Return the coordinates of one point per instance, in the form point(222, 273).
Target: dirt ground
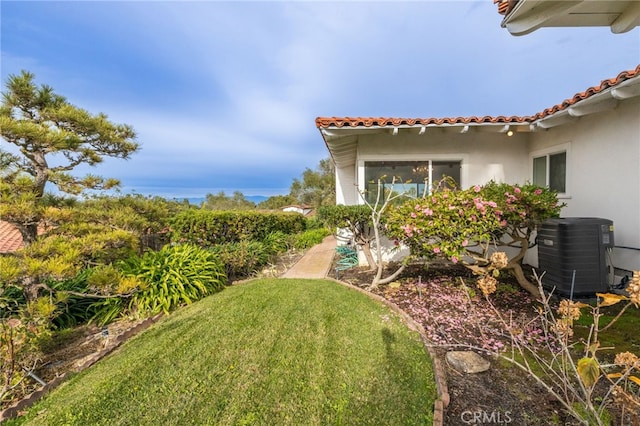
point(438, 300)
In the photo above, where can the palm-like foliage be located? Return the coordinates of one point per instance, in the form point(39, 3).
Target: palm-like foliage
point(174, 276)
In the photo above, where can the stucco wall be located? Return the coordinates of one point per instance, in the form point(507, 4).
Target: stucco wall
point(484, 155)
point(603, 166)
point(603, 173)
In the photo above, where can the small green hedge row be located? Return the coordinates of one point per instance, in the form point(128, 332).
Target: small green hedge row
point(207, 228)
point(310, 238)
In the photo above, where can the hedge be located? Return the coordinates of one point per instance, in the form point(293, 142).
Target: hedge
point(207, 228)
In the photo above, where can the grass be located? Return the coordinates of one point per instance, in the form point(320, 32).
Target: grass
point(623, 334)
point(267, 352)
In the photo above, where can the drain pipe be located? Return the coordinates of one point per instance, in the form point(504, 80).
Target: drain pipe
point(34, 377)
point(573, 282)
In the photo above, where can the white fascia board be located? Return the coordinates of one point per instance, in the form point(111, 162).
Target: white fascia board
point(530, 15)
point(628, 19)
point(593, 105)
point(554, 120)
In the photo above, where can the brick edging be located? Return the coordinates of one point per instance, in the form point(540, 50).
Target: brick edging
point(26, 402)
point(440, 377)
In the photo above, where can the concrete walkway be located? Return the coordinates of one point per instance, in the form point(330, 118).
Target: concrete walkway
point(316, 263)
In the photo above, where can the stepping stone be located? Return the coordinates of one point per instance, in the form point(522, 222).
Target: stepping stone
point(467, 362)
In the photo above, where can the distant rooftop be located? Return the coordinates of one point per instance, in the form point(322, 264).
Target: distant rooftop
point(10, 238)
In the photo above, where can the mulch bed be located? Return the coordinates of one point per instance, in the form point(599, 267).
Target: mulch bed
point(451, 315)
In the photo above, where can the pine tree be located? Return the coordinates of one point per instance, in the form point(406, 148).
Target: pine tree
point(52, 138)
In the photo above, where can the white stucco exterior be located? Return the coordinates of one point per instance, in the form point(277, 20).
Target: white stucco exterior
point(599, 130)
point(483, 156)
point(603, 172)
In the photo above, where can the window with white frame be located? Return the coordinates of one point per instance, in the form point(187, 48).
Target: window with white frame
point(415, 178)
point(551, 170)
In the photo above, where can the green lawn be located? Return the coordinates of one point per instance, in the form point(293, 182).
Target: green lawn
point(285, 352)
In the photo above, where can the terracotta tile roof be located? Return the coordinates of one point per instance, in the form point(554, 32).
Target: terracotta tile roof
point(324, 122)
point(10, 238)
point(505, 6)
point(604, 84)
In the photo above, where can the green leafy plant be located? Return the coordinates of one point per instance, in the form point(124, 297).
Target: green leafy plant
point(310, 238)
point(19, 352)
point(276, 242)
point(207, 228)
point(174, 276)
point(241, 259)
point(72, 309)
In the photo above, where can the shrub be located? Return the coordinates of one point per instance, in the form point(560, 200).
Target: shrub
point(72, 310)
point(314, 222)
point(208, 228)
point(174, 276)
point(310, 238)
point(466, 224)
point(241, 259)
point(276, 243)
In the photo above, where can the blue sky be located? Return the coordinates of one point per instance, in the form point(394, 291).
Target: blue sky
point(224, 95)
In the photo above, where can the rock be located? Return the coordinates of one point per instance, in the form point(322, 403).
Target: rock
point(467, 362)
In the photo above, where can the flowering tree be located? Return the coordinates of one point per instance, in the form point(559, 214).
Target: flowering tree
point(463, 225)
point(522, 209)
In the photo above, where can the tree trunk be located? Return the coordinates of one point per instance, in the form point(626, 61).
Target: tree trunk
point(522, 279)
point(31, 288)
point(377, 280)
point(366, 249)
point(515, 265)
point(29, 233)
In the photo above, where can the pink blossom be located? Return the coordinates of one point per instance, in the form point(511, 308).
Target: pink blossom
point(417, 207)
point(436, 250)
point(413, 215)
point(408, 230)
point(477, 188)
point(428, 211)
point(503, 223)
point(538, 191)
point(516, 190)
point(465, 243)
point(454, 259)
point(492, 204)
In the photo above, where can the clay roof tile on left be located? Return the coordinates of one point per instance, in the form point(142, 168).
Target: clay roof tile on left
point(10, 238)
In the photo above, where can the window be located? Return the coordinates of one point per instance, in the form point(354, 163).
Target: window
point(412, 177)
point(551, 170)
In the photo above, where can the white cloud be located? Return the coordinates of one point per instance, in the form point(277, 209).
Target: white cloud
point(223, 91)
